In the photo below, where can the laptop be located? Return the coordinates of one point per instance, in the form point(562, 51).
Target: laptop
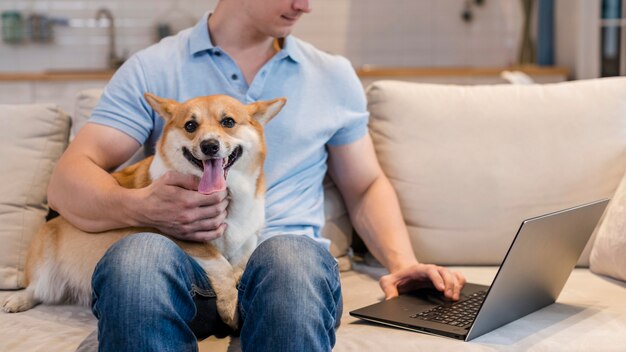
point(531, 276)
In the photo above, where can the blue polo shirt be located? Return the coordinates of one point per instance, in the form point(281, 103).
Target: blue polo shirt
point(325, 106)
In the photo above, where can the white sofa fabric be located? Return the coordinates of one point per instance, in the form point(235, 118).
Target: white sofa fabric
point(469, 163)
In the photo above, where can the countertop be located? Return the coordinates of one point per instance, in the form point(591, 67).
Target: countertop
point(363, 72)
point(57, 75)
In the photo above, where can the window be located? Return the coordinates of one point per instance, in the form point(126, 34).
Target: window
point(612, 54)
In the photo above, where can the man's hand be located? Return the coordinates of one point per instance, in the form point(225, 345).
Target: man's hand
point(173, 205)
point(375, 213)
point(418, 276)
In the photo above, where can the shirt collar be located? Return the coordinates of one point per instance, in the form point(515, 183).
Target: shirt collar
point(200, 41)
point(290, 48)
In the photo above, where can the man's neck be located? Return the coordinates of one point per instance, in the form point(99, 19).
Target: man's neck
point(232, 35)
point(250, 49)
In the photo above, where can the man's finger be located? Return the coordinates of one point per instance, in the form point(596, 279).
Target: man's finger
point(206, 236)
point(459, 283)
point(449, 281)
point(388, 284)
point(461, 278)
point(186, 181)
point(190, 182)
point(194, 199)
point(435, 278)
point(208, 212)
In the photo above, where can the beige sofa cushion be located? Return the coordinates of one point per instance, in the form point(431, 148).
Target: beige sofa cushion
point(470, 163)
point(608, 256)
point(32, 139)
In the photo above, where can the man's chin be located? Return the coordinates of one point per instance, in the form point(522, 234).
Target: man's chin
point(282, 31)
point(279, 35)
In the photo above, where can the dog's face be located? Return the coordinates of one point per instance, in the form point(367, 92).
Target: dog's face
point(208, 136)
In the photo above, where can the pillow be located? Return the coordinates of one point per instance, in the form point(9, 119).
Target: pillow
point(32, 139)
point(608, 256)
point(470, 163)
point(337, 228)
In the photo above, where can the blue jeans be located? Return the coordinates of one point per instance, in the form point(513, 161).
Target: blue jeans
point(149, 295)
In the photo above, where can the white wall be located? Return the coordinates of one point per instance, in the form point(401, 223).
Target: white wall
point(375, 32)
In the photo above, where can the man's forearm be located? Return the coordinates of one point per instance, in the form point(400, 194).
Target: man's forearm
point(87, 196)
point(377, 218)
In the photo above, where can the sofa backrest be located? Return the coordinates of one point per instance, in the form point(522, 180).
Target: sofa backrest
point(469, 163)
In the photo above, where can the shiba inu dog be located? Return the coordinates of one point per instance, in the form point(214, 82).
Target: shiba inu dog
point(216, 138)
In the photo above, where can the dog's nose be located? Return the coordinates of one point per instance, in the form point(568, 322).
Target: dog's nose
point(210, 147)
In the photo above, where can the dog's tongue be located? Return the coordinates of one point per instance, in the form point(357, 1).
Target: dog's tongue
point(213, 177)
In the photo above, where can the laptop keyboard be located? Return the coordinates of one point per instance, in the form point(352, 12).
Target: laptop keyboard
point(461, 313)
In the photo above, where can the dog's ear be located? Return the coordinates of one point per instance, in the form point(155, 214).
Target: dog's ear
point(263, 111)
point(164, 107)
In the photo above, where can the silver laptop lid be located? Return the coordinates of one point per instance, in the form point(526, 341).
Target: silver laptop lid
point(537, 265)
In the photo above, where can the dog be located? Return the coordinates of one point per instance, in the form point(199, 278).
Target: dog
point(216, 138)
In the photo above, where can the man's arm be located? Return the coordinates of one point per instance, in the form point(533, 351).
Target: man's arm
point(82, 190)
point(375, 214)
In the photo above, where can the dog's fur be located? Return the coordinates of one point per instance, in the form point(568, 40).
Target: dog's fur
point(62, 258)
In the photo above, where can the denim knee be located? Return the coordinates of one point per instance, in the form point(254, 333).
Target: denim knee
point(148, 294)
point(290, 296)
point(140, 255)
point(139, 266)
point(294, 256)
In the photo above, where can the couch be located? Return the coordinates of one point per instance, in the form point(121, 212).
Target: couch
point(468, 164)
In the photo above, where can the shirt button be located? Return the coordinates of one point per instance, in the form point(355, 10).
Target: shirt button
point(234, 77)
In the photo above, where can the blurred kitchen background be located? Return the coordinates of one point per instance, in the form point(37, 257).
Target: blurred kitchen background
point(50, 49)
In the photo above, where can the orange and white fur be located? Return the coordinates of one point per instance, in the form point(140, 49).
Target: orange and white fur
point(215, 138)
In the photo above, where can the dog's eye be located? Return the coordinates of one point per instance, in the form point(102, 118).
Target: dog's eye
point(228, 122)
point(191, 126)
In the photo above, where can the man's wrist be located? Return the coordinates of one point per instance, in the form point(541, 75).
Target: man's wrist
point(124, 205)
point(401, 263)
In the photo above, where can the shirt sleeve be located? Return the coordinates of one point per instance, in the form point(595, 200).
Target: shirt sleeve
point(122, 105)
point(351, 107)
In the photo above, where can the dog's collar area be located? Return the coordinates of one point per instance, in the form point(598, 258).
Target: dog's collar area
point(230, 160)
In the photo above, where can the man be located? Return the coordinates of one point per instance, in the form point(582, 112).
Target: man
point(148, 294)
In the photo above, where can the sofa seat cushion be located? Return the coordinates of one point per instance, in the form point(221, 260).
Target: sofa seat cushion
point(470, 163)
point(590, 315)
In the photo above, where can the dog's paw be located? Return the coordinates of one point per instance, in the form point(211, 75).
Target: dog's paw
point(19, 302)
